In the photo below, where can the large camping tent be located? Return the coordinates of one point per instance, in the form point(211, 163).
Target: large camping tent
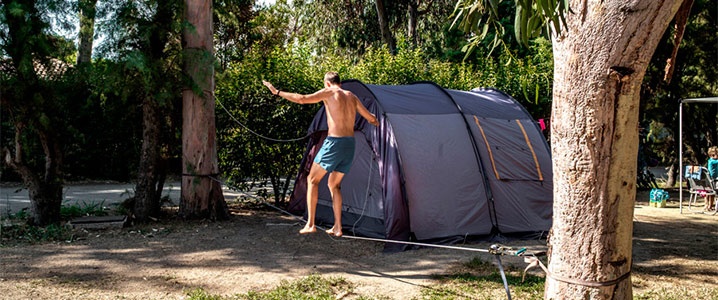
point(442, 166)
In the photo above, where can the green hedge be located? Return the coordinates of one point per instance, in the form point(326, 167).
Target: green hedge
point(245, 158)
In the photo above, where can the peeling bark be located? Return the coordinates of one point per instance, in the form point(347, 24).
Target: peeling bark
point(599, 66)
point(681, 19)
point(201, 195)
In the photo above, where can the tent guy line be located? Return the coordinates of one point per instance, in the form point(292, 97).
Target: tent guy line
point(256, 133)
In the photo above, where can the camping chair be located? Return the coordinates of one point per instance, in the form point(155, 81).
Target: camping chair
point(700, 185)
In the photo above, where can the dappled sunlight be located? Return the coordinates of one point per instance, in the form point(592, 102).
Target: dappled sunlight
point(252, 252)
point(245, 251)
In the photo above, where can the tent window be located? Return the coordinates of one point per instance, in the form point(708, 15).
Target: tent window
point(508, 149)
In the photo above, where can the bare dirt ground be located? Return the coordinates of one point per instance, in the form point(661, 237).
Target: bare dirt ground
point(257, 249)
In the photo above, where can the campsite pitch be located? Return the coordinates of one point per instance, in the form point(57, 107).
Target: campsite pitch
point(256, 250)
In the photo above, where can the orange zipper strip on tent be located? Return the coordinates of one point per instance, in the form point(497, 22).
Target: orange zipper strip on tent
point(488, 148)
point(538, 169)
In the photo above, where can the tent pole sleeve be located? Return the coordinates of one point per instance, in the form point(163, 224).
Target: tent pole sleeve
point(528, 142)
point(488, 148)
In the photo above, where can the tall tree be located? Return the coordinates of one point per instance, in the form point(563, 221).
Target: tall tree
point(87, 30)
point(151, 173)
point(34, 110)
point(595, 106)
point(600, 58)
point(414, 14)
point(201, 195)
point(145, 35)
point(384, 25)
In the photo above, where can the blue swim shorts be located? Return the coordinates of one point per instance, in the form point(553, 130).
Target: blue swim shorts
point(336, 154)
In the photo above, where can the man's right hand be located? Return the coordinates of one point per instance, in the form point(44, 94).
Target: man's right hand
point(271, 87)
point(374, 122)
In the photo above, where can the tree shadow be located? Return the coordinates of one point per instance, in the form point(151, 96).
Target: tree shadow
point(216, 255)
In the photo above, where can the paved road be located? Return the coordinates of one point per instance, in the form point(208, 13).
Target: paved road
point(13, 199)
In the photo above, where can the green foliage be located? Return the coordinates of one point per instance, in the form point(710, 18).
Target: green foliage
point(480, 279)
point(246, 159)
point(531, 19)
point(22, 232)
point(84, 208)
point(201, 294)
point(695, 75)
point(312, 287)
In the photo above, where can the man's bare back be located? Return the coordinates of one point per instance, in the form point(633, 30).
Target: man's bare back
point(341, 111)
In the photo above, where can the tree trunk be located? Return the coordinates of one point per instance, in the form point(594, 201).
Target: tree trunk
point(201, 195)
point(680, 26)
point(28, 111)
point(384, 25)
point(671, 181)
point(413, 15)
point(46, 202)
point(599, 66)
point(87, 30)
point(45, 190)
point(285, 188)
point(147, 197)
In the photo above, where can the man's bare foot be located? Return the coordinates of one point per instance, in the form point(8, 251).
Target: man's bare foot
point(334, 232)
point(308, 229)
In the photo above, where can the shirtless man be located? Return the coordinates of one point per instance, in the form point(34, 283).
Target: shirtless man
point(337, 152)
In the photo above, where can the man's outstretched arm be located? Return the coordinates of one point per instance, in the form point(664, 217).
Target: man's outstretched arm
point(371, 118)
point(299, 98)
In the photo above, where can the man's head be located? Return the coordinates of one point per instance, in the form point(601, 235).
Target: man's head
point(332, 78)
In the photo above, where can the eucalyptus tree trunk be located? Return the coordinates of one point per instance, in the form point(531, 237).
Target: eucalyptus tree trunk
point(87, 30)
point(413, 16)
point(599, 66)
point(201, 195)
point(384, 25)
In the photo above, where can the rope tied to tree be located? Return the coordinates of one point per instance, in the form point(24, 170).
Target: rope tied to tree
point(533, 261)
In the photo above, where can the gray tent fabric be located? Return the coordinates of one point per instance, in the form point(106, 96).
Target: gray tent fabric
point(442, 166)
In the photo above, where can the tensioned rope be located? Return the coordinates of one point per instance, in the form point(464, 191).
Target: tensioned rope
point(256, 133)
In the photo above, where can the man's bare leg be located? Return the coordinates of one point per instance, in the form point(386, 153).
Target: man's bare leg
point(313, 179)
point(335, 181)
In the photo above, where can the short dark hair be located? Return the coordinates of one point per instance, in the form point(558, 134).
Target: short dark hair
point(332, 77)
